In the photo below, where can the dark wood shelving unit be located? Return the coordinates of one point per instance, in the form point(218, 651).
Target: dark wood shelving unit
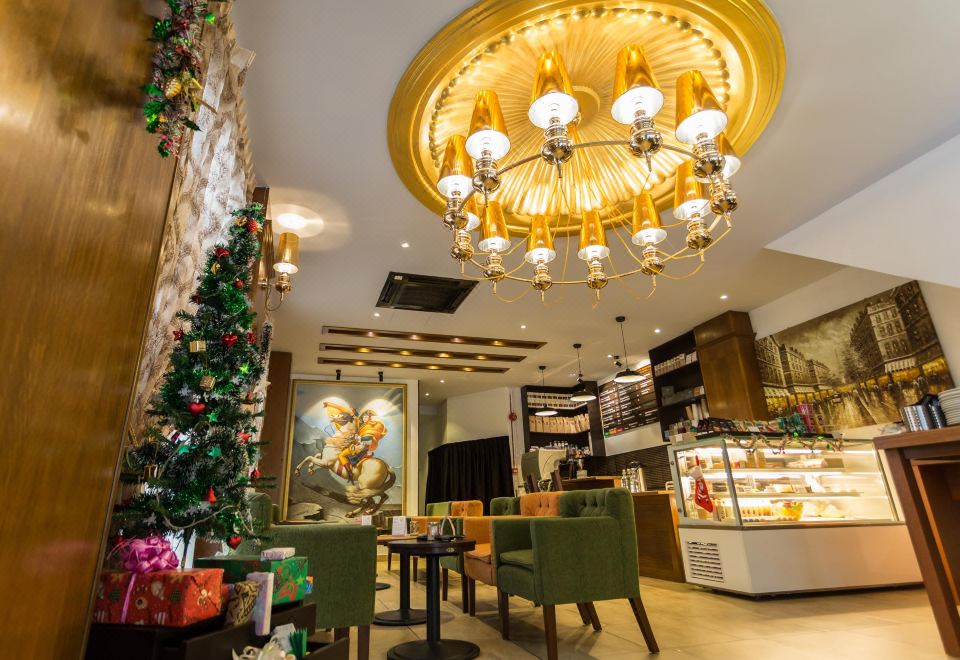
point(681, 378)
point(590, 438)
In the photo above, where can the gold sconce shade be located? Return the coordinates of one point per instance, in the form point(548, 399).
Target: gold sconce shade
point(488, 131)
point(540, 242)
point(646, 221)
point(494, 236)
point(593, 240)
point(288, 254)
point(689, 195)
point(635, 89)
point(699, 114)
point(552, 96)
point(471, 213)
point(456, 172)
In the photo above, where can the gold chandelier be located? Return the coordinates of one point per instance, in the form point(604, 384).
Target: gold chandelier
point(512, 162)
point(471, 171)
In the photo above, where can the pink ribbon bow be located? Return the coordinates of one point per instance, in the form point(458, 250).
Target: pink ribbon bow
point(141, 556)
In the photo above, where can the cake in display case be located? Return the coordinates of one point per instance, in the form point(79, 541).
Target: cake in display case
point(774, 513)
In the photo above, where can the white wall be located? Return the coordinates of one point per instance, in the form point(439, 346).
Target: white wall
point(479, 415)
point(850, 285)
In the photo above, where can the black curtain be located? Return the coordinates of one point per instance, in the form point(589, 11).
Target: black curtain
point(471, 470)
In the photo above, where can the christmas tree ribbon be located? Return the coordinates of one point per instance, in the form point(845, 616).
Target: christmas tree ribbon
point(141, 556)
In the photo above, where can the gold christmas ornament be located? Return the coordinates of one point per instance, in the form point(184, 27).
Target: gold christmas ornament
point(172, 88)
point(198, 346)
point(215, 268)
point(207, 382)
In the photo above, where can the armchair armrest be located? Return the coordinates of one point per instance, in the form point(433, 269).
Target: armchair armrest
point(577, 560)
point(509, 534)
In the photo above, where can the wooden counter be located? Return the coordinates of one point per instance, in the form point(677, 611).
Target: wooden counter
point(658, 541)
point(589, 483)
point(925, 470)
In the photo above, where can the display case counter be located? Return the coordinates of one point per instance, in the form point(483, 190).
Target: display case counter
point(765, 514)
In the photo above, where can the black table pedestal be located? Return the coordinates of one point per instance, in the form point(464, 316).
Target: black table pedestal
point(434, 648)
point(403, 616)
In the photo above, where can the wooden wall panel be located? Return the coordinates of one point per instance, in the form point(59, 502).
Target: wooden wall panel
point(273, 457)
point(84, 197)
point(728, 362)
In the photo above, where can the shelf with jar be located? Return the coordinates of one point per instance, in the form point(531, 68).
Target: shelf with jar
point(574, 423)
point(803, 494)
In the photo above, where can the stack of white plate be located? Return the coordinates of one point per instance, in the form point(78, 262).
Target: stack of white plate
point(950, 403)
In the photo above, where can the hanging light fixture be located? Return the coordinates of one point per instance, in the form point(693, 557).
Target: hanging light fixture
point(581, 394)
point(546, 411)
point(627, 375)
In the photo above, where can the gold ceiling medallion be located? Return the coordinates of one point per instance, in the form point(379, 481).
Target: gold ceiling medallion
point(527, 120)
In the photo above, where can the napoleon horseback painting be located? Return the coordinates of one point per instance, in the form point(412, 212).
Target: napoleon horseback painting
point(345, 451)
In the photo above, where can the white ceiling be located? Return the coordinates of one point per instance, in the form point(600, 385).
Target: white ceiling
point(869, 87)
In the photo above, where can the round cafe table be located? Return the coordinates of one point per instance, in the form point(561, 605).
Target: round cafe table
point(404, 615)
point(433, 647)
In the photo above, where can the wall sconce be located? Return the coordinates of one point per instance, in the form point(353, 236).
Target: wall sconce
point(285, 263)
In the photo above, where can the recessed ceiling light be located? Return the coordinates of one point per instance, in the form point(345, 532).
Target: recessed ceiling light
point(442, 380)
point(427, 394)
point(377, 314)
point(523, 327)
point(404, 245)
point(724, 296)
point(657, 330)
point(609, 356)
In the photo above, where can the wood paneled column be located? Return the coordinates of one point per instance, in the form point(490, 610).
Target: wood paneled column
point(728, 361)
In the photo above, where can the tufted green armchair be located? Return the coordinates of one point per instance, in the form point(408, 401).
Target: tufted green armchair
point(553, 560)
point(342, 559)
point(505, 506)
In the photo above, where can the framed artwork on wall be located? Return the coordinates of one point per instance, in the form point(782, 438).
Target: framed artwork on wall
point(346, 450)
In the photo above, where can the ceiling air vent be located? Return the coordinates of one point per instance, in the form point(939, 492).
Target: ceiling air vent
point(424, 293)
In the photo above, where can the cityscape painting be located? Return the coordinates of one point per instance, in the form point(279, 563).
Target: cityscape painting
point(857, 365)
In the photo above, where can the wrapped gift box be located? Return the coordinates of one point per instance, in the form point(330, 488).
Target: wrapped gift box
point(289, 575)
point(163, 598)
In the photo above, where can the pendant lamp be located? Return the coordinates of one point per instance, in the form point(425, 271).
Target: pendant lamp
point(548, 411)
point(628, 375)
point(581, 394)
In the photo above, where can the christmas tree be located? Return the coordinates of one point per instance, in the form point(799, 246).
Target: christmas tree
point(197, 459)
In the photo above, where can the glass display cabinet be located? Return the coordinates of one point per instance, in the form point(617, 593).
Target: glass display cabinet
point(766, 513)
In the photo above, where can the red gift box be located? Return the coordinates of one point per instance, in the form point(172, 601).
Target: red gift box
point(162, 598)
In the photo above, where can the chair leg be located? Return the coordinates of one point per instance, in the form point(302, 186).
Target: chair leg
point(363, 642)
point(389, 561)
point(550, 630)
point(503, 608)
point(341, 633)
point(472, 594)
point(416, 576)
point(444, 579)
point(583, 614)
point(464, 594)
point(592, 613)
point(641, 615)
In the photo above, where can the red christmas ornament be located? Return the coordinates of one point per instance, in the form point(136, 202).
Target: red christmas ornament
point(234, 541)
point(221, 252)
point(238, 284)
point(252, 226)
point(196, 298)
point(229, 339)
point(211, 496)
point(244, 436)
point(255, 474)
point(251, 337)
point(178, 334)
point(196, 407)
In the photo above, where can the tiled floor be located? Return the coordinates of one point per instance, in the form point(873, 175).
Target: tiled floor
point(691, 623)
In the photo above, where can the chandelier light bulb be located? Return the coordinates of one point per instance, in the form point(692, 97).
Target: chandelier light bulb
point(488, 132)
point(646, 229)
point(494, 236)
point(456, 172)
point(540, 242)
point(552, 98)
point(635, 89)
point(593, 241)
point(690, 198)
point(699, 114)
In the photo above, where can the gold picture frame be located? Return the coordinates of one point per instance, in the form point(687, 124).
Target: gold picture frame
point(327, 417)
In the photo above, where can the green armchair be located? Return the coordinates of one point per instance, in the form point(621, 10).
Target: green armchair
point(341, 558)
point(554, 560)
point(505, 506)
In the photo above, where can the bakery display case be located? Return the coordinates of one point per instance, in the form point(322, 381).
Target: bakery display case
point(772, 513)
